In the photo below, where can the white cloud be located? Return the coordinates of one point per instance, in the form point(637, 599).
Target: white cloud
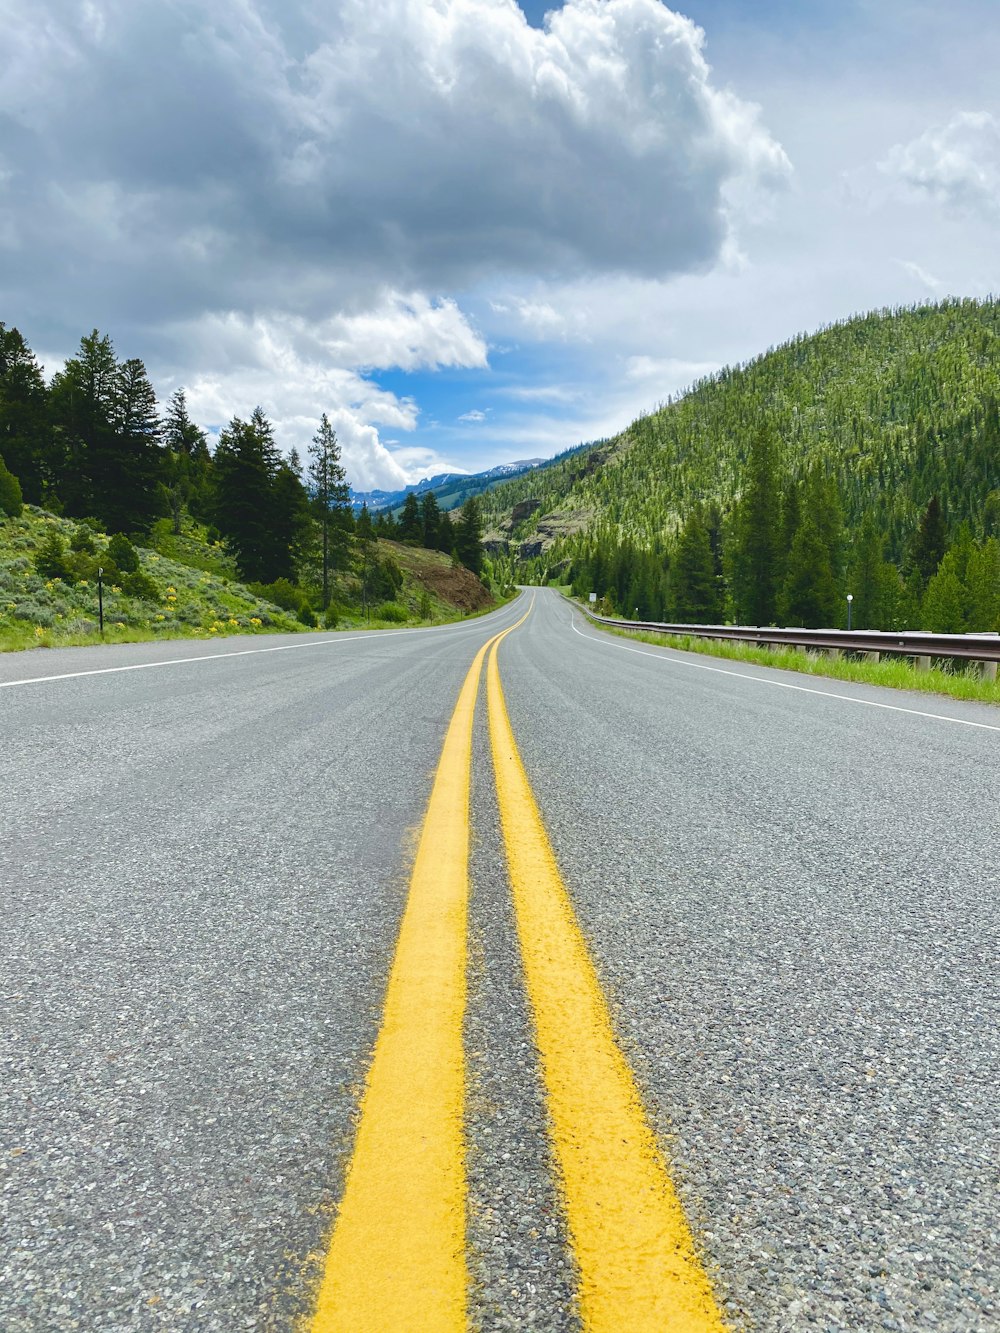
point(242, 154)
point(922, 276)
point(405, 332)
point(957, 164)
point(474, 415)
point(282, 364)
point(266, 199)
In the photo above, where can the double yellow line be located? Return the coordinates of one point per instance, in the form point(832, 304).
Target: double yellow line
point(397, 1257)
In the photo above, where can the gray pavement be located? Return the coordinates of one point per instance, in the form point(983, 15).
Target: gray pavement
point(790, 897)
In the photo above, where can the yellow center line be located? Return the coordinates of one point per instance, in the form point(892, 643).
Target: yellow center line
point(639, 1270)
point(397, 1255)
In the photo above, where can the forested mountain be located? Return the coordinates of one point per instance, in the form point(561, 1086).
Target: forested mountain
point(863, 458)
point(451, 489)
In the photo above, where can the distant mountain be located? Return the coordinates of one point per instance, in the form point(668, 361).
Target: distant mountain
point(451, 489)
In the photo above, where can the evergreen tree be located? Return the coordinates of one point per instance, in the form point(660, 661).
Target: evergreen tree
point(25, 434)
point(180, 434)
point(446, 533)
point(84, 399)
point(128, 471)
point(364, 532)
point(248, 513)
point(809, 597)
point(929, 541)
point(291, 523)
point(945, 600)
point(469, 535)
point(188, 462)
point(867, 580)
point(695, 586)
point(430, 520)
point(810, 594)
point(755, 555)
point(983, 587)
point(331, 495)
point(11, 502)
point(410, 525)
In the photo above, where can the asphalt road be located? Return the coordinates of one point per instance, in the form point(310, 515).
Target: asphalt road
point(789, 894)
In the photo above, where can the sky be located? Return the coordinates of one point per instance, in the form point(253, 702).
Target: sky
point(472, 232)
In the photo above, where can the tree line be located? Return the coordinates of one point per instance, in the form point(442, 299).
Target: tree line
point(93, 443)
point(783, 555)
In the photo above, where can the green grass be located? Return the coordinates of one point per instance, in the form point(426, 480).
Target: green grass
point(897, 673)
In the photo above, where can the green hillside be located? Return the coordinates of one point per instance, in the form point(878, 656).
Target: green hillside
point(886, 411)
point(186, 586)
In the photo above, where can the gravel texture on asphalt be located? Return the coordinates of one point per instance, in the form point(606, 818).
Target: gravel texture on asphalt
point(203, 872)
point(791, 900)
point(522, 1275)
point(792, 903)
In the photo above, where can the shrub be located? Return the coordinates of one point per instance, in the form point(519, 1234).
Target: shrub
point(392, 612)
point(124, 554)
point(82, 540)
point(82, 566)
point(392, 573)
point(331, 617)
point(11, 500)
point(282, 592)
point(36, 613)
point(139, 584)
point(307, 616)
point(426, 609)
point(50, 559)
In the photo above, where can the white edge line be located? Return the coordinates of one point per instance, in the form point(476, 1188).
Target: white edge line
point(368, 636)
point(609, 642)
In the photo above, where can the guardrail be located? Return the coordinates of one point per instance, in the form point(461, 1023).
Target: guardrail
point(983, 649)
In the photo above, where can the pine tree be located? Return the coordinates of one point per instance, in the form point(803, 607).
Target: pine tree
point(469, 535)
point(188, 463)
point(249, 510)
point(695, 586)
point(364, 532)
point(929, 541)
point(410, 526)
point(867, 580)
point(331, 495)
point(944, 606)
point(84, 398)
point(430, 520)
point(11, 503)
point(446, 533)
point(128, 471)
point(26, 441)
point(754, 554)
point(983, 586)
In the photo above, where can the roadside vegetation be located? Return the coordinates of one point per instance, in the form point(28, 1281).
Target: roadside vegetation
point(94, 476)
point(960, 682)
point(863, 459)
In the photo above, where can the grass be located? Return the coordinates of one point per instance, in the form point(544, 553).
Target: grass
point(896, 672)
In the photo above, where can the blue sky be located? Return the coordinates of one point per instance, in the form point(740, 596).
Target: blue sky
point(470, 240)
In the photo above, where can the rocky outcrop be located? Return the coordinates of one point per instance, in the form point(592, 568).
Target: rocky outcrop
point(522, 510)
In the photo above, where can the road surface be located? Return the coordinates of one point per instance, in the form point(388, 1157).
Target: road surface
point(786, 889)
